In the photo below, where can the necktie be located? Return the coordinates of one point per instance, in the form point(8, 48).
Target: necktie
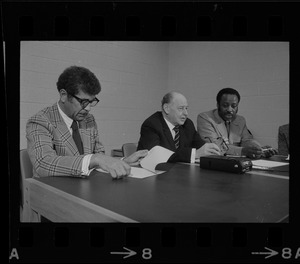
point(176, 138)
point(228, 128)
point(76, 137)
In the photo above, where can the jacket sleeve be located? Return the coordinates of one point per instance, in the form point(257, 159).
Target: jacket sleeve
point(42, 154)
point(197, 142)
point(181, 155)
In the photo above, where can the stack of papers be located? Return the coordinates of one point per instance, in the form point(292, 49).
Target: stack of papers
point(266, 164)
point(155, 156)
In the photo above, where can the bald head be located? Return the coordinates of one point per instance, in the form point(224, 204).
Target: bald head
point(169, 97)
point(174, 108)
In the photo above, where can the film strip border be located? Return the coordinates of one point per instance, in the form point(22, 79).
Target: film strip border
point(159, 243)
point(143, 21)
point(152, 242)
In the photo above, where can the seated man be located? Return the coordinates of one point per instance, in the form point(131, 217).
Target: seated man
point(283, 140)
point(228, 130)
point(62, 139)
point(171, 129)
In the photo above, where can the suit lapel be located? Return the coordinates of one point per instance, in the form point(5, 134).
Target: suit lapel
point(167, 133)
point(62, 130)
point(85, 134)
point(234, 132)
point(182, 138)
point(220, 125)
point(222, 130)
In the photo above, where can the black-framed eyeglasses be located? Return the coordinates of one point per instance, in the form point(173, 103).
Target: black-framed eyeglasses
point(85, 102)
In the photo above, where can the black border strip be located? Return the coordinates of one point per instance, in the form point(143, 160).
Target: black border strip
point(268, 21)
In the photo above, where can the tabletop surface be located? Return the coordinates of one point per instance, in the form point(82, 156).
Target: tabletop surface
point(185, 193)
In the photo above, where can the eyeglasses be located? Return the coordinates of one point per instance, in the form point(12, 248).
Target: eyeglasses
point(85, 102)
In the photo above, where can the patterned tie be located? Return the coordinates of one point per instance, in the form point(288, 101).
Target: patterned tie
point(76, 137)
point(176, 138)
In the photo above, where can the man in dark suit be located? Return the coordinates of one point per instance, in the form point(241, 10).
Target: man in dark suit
point(171, 129)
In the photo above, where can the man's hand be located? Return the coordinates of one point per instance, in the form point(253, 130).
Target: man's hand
point(268, 151)
point(134, 159)
point(116, 167)
point(252, 152)
point(208, 149)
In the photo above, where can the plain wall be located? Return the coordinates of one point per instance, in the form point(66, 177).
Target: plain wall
point(258, 70)
point(133, 76)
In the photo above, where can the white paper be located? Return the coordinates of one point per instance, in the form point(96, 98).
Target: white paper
point(155, 156)
point(138, 173)
point(141, 173)
point(100, 170)
point(266, 164)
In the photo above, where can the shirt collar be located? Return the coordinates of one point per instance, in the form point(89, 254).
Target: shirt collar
point(66, 119)
point(170, 125)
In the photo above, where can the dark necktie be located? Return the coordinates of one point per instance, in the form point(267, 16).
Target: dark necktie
point(228, 128)
point(76, 137)
point(176, 138)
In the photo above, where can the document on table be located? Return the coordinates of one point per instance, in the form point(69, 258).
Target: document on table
point(266, 164)
point(155, 156)
point(141, 173)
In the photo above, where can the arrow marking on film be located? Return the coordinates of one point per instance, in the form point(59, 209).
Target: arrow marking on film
point(128, 254)
point(271, 253)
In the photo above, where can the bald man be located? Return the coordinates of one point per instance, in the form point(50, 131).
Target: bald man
point(172, 129)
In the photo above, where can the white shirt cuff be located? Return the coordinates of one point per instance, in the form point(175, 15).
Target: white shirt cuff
point(85, 165)
point(193, 155)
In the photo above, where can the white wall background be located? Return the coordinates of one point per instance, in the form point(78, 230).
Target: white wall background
point(135, 75)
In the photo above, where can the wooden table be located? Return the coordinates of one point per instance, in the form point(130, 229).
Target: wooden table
point(185, 193)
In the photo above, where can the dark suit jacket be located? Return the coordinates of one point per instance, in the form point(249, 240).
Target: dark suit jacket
point(155, 131)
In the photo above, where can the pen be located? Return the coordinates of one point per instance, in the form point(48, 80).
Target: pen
point(209, 139)
point(266, 149)
point(225, 143)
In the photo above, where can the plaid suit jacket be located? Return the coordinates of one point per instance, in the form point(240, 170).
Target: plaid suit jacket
point(51, 147)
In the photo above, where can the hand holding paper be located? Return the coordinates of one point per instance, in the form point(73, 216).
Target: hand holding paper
point(155, 156)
